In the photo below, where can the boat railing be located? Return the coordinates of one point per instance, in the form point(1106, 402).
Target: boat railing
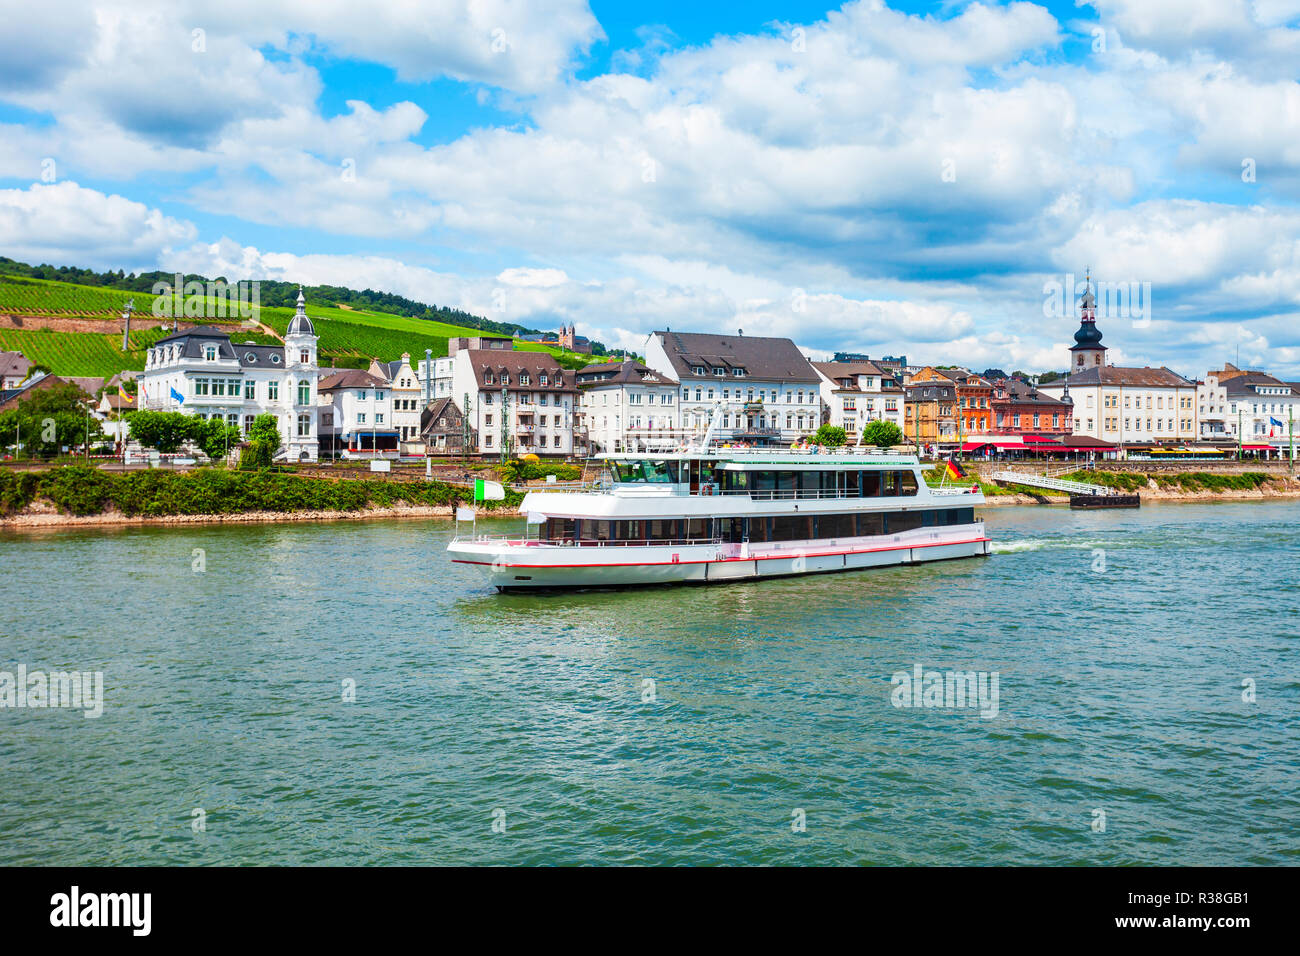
point(586, 542)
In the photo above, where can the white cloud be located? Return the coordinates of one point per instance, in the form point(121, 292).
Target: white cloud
point(64, 222)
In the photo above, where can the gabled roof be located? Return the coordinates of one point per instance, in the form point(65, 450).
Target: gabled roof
point(619, 373)
point(351, 378)
point(14, 363)
point(761, 357)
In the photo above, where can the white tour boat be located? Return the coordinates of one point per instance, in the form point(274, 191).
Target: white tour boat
point(716, 513)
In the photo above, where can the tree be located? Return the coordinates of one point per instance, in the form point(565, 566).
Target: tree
point(832, 436)
point(216, 437)
point(165, 431)
point(48, 420)
point(882, 434)
point(266, 429)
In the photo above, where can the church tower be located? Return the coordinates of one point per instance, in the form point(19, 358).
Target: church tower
point(1087, 351)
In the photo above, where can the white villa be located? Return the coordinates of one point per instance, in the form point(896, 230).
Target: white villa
point(200, 371)
point(357, 416)
point(407, 396)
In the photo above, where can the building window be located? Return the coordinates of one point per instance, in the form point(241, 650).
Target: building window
point(250, 391)
point(304, 426)
point(248, 423)
point(200, 386)
point(304, 393)
point(379, 418)
point(304, 357)
point(272, 391)
point(361, 418)
point(210, 353)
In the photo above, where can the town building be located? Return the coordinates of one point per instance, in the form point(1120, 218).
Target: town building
point(200, 371)
point(356, 416)
point(407, 399)
point(1212, 407)
point(974, 411)
point(766, 391)
point(1262, 412)
point(519, 402)
point(442, 428)
point(1127, 406)
point(1020, 408)
point(14, 369)
point(626, 406)
point(856, 392)
point(444, 367)
point(930, 413)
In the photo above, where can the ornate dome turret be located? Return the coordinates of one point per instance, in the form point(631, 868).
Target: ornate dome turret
point(300, 324)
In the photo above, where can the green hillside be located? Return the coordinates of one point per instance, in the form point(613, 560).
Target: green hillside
point(348, 337)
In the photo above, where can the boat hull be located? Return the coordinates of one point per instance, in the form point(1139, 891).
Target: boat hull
point(513, 566)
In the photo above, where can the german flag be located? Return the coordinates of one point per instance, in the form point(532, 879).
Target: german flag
point(955, 471)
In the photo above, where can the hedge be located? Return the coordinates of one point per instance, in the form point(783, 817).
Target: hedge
point(80, 490)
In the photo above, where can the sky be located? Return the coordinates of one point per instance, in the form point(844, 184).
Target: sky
point(914, 178)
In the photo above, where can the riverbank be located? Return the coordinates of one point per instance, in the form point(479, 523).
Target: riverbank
point(77, 496)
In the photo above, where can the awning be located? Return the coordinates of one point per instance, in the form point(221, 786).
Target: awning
point(1257, 447)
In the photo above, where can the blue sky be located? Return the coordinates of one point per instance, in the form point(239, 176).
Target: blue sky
point(883, 178)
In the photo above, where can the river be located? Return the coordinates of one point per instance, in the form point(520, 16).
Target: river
point(1148, 707)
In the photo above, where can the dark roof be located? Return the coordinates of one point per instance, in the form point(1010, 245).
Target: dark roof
point(1245, 384)
point(761, 357)
point(351, 378)
point(1114, 375)
point(258, 356)
point(931, 392)
point(627, 371)
point(536, 364)
point(198, 332)
point(1022, 393)
point(443, 407)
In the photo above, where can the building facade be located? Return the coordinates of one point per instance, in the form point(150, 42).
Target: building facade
point(357, 416)
point(973, 410)
point(520, 402)
point(442, 428)
point(626, 406)
point(766, 392)
point(1020, 408)
point(407, 398)
point(200, 371)
point(930, 413)
point(856, 393)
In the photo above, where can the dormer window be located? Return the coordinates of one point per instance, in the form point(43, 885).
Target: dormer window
point(523, 378)
point(542, 379)
point(719, 372)
point(698, 369)
point(487, 378)
point(505, 378)
point(209, 353)
point(738, 372)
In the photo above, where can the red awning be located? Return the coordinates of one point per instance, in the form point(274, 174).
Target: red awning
point(1258, 447)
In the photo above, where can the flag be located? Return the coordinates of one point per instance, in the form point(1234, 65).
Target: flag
point(124, 395)
point(488, 490)
point(464, 514)
point(1274, 421)
point(955, 471)
point(180, 399)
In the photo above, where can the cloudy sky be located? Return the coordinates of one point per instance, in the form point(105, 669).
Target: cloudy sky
point(885, 179)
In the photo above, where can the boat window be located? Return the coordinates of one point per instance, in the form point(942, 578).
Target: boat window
point(870, 484)
point(907, 483)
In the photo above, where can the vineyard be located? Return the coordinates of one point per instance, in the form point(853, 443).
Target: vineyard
point(348, 337)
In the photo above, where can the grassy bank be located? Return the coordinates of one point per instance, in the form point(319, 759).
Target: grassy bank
point(80, 491)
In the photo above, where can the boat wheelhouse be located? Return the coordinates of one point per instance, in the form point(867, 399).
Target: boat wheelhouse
point(729, 514)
